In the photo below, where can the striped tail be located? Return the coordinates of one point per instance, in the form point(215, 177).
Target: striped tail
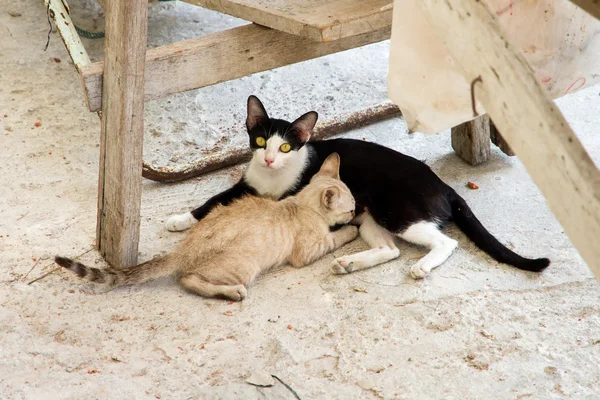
point(110, 276)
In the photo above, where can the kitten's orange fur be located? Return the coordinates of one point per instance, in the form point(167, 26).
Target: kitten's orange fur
point(225, 251)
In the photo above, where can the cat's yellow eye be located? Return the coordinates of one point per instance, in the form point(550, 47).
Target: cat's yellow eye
point(260, 141)
point(285, 148)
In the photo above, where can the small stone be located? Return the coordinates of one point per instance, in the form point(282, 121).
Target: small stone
point(550, 370)
point(260, 378)
point(486, 334)
point(366, 384)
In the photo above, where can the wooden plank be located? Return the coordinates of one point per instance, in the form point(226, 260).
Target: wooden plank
point(319, 20)
point(120, 178)
point(499, 141)
point(222, 56)
point(591, 6)
point(471, 140)
point(529, 120)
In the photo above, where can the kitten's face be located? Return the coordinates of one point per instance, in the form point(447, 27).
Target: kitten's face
point(339, 202)
point(274, 142)
point(336, 200)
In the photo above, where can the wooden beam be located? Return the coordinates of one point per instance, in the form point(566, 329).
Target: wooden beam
point(120, 177)
point(591, 6)
point(471, 140)
point(529, 120)
point(222, 56)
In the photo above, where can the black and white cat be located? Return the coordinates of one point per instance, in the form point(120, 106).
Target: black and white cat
point(396, 195)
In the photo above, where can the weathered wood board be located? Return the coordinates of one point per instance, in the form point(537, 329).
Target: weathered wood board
point(222, 56)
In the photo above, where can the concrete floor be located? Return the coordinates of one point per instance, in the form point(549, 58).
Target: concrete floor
point(474, 329)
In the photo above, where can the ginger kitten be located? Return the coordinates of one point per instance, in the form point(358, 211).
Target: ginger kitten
point(225, 251)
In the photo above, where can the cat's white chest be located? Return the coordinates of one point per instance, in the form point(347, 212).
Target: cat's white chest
point(268, 184)
point(274, 183)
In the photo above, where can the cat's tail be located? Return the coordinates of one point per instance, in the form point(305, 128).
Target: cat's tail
point(155, 268)
point(470, 225)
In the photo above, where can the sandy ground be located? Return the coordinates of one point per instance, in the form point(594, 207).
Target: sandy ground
point(474, 329)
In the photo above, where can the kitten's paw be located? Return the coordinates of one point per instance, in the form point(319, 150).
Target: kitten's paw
point(417, 271)
point(178, 223)
point(236, 293)
point(352, 231)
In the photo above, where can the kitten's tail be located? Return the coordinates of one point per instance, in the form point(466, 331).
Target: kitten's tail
point(155, 268)
point(470, 225)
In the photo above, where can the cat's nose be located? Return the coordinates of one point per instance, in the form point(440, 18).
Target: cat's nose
point(352, 212)
point(269, 161)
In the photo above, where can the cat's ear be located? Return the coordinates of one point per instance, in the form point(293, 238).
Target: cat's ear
point(305, 124)
point(256, 113)
point(331, 166)
point(330, 196)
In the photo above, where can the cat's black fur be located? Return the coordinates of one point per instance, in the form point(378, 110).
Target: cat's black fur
point(396, 189)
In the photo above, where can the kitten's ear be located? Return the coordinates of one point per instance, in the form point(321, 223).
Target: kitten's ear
point(305, 124)
point(331, 166)
point(330, 196)
point(256, 113)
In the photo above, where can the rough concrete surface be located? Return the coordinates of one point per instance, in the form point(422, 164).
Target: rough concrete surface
point(473, 329)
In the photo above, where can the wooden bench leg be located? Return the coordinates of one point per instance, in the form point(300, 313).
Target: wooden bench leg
point(120, 176)
point(471, 140)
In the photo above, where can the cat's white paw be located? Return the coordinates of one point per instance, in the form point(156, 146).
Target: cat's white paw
point(337, 269)
point(417, 271)
point(178, 223)
point(341, 266)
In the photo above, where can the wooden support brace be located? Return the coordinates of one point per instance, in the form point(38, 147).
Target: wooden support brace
point(222, 56)
point(471, 140)
point(528, 119)
point(120, 180)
